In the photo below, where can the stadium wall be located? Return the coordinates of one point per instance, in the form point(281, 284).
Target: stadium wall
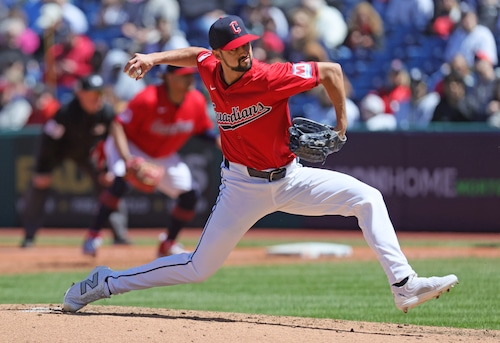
point(442, 180)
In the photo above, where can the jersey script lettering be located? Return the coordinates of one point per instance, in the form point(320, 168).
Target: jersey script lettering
point(238, 118)
point(159, 127)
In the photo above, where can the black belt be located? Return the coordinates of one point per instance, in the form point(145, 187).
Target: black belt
point(273, 175)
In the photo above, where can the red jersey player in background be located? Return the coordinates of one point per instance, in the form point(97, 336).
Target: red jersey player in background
point(156, 124)
point(259, 174)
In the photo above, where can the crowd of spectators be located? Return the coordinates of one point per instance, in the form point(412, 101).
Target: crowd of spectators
point(407, 63)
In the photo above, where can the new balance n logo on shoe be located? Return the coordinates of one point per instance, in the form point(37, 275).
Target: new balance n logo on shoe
point(92, 288)
point(91, 283)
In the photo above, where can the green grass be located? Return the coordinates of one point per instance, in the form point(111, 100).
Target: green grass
point(62, 240)
point(340, 290)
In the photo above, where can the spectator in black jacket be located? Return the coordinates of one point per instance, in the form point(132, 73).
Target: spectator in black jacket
point(452, 106)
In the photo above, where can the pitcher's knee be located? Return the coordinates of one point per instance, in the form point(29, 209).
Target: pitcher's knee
point(370, 199)
point(201, 273)
point(374, 195)
point(201, 276)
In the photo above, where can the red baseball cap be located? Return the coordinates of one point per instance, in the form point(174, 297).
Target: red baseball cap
point(229, 33)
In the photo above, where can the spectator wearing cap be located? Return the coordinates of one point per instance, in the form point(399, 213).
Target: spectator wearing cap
point(75, 133)
point(470, 37)
point(397, 90)
point(418, 111)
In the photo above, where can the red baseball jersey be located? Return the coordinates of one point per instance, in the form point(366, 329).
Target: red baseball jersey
point(252, 113)
point(159, 127)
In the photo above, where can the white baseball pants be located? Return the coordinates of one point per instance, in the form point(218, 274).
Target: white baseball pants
point(243, 200)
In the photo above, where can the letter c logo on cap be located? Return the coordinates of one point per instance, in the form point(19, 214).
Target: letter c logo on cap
point(235, 27)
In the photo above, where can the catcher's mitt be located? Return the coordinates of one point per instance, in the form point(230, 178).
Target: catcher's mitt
point(313, 141)
point(142, 175)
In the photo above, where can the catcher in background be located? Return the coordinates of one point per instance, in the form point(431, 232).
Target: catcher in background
point(142, 152)
point(260, 174)
point(76, 132)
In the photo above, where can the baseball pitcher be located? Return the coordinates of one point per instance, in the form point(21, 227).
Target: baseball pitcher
point(260, 174)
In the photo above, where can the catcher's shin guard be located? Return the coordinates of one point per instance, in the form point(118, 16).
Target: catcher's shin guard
point(109, 201)
point(182, 213)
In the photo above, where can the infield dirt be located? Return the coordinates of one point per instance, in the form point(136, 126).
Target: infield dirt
point(46, 322)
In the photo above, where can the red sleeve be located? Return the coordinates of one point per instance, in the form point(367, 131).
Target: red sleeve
point(288, 79)
point(206, 66)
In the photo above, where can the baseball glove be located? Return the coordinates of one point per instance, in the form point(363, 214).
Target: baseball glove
point(142, 175)
point(313, 141)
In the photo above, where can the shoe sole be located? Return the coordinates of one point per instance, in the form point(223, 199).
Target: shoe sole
point(415, 301)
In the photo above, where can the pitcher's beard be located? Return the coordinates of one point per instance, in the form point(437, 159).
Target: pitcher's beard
point(242, 68)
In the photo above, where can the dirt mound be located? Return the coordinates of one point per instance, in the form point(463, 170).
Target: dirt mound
point(42, 323)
